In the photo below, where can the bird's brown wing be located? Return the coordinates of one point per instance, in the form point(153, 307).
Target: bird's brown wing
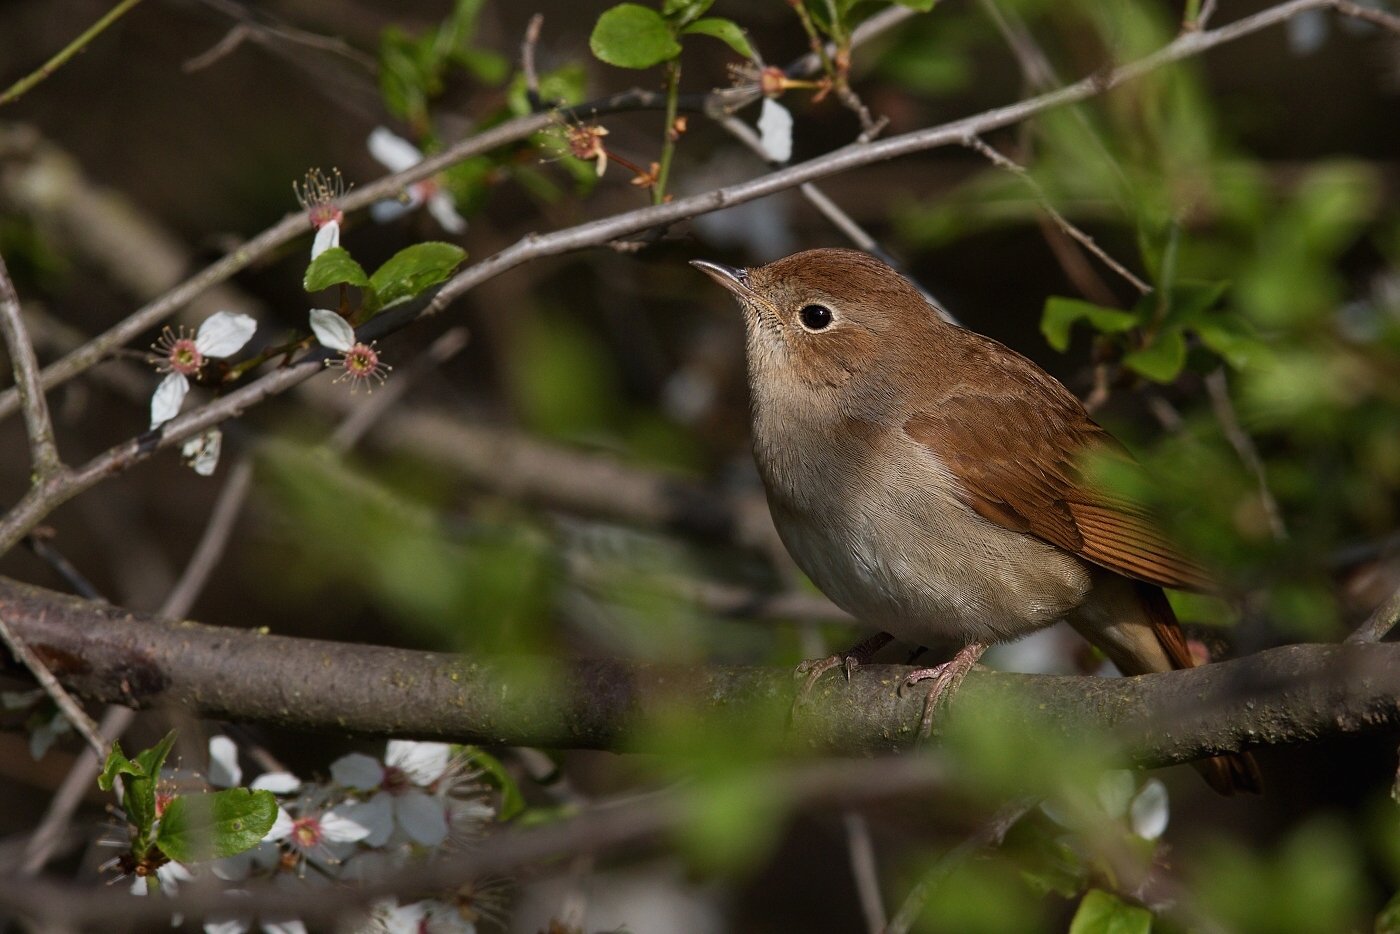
point(1016, 454)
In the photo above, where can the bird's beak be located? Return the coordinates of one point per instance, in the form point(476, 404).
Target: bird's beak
point(735, 280)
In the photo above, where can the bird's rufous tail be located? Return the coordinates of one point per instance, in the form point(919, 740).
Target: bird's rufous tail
point(1228, 773)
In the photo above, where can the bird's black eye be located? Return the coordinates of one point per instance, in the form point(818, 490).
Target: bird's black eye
point(815, 317)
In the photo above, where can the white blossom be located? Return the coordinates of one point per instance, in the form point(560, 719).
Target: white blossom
point(332, 330)
point(400, 797)
point(1115, 790)
point(397, 154)
point(202, 451)
point(775, 126)
point(224, 770)
point(326, 237)
point(222, 334)
point(1150, 810)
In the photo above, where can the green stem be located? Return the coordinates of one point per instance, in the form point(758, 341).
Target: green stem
point(73, 48)
point(234, 372)
point(668, 145)
point(814, 38)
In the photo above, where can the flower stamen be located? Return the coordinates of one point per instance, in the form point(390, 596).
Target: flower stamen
point(178, 352)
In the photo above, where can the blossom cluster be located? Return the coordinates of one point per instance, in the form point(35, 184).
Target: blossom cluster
point(372, 816)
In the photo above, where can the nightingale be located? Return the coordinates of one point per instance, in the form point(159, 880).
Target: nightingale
point(928, 480)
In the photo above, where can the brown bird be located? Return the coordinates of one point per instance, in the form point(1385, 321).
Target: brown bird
point(928, 480)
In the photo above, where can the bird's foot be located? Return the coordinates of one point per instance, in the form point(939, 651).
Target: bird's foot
point(946, 678)
point(814, 668)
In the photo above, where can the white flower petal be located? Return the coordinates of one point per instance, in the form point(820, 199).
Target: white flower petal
point(281, 827)
point(279, 783)
point(41, 740)
point(1150, 810)
point(446, 919)
point(357, 770)
point(224, 771)
point(378, 815)
point(293, 926)
point(443, 207)
point(138, 885)
point(393, 151)
point(336, 827)
point(202, 451)
point(234, 868)
point(224, 333)
point(168, 397)
point(327, 237)
point(422, 817)
point(1115, 790)
point(332, 330)
point(171, 875)
point(775, 126)
point(392, 918)
point(423, 763)
point(469, 814)
point(231, 926)
point(389, 210)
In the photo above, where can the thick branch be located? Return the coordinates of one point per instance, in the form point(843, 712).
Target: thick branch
point(1286, 695)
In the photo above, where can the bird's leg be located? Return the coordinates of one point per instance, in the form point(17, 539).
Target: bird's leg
point(814, 668)
point(947, 677)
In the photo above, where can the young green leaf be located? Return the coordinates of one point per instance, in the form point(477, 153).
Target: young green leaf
point(923, 6)
point(1161, 360)
point(683, 11)
point(495, 775)
point(413, 269)
point(117, 764)
point(725, 30)
point(633, 36)
point(1388, 921)
point(1102, 913)
point(212, 825)
point(140, 798)
point(333, 267)
point(1061, 313)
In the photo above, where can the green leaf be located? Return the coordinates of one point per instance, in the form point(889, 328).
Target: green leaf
point(140, 799)
point(333, 267)
point(923, 6)
point(495, 775)
point(413, 269)
point(1061, 313)
point(117, 764)
point(1102, 913)
point(632, 36)
point(683, 11)
point(212, 825)
point(486, 66)
point(1161, 360)
point(725, 30)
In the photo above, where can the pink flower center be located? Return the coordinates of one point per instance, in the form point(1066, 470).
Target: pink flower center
point(323, 214)
point(395, 779)
point(306, 833)
point(184, 357)
point(361, 362)
point(163, 799)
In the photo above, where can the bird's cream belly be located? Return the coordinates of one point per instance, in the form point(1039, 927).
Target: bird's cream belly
point(932, 569)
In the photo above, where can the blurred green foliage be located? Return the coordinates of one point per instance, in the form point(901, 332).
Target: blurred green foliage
point(1314, 884)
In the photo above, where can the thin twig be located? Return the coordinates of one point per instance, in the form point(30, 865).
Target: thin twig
point(1219, 390)
point(71, 49)
point(231, 40)
point(31, 510)
point(975, 142)
point(50, 555)
point(1369, 14)
point(862, 853)
point(1207, 11)
point(38, 425)
point(989, 835)
point(72, 710)
point(527, 59)
point(1379, 623)
point(832, 212)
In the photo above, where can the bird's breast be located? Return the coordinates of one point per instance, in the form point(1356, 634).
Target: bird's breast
point(882, 529)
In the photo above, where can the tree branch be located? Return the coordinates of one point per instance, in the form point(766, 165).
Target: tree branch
point(37, 424)
point(1286, 695)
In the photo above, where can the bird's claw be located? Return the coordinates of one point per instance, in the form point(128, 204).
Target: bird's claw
point(814, 668)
